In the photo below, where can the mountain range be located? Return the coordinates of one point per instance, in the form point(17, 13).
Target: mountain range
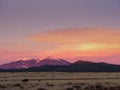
point(59, 65)
point(20, 64)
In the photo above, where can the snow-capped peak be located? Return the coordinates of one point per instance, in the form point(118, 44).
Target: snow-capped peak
point(25, 58)
point(28, 62)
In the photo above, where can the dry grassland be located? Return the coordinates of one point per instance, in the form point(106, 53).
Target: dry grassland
point(59, 81)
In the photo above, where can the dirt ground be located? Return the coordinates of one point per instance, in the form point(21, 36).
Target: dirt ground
point(59, 81)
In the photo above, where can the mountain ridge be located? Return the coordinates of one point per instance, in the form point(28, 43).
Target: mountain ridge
point(20, 64)
point(60, 65)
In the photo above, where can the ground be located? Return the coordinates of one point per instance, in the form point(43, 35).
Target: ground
point(59, 81)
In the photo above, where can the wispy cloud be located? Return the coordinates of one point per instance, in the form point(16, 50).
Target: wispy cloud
point(82, 39)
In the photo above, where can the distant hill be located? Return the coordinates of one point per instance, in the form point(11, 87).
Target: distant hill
point(87, 66)
point(60, 65)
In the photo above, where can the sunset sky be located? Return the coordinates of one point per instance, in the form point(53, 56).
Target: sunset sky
point(68, 29)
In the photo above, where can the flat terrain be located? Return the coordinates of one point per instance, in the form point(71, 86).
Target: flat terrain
point(59, 81)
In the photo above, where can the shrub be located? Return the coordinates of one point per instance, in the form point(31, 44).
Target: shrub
point(99, 87)
point(25, 80)
point(69, 89)
point(17, 85)
point(41, 89)
point(2, 86)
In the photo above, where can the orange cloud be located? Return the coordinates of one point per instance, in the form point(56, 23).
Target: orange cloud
point(79, 35)
point(82, 42)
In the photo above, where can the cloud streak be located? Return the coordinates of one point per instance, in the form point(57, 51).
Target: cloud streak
point(83, 39)
point(79, 35)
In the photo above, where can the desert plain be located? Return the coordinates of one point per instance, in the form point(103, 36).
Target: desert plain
point(59, 81)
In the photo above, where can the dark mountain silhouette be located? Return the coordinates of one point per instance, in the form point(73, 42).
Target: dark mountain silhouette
point(86, 66)
point(60, 65)
point(82, 62)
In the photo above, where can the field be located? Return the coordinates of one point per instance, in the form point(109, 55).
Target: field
point(59, 81)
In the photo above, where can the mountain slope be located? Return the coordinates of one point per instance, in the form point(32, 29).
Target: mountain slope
point(55, 62)
point(20, 64)
point(79, 66)
point(59, 65)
